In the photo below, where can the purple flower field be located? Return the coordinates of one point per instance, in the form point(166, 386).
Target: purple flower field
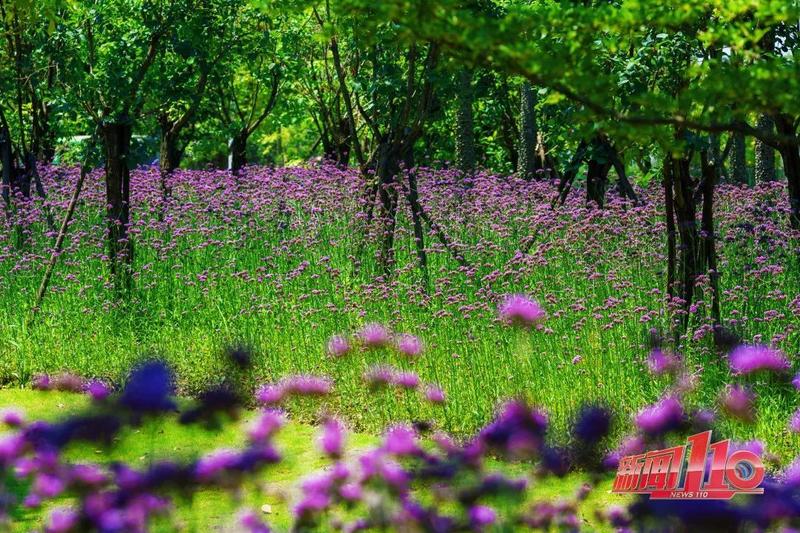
point(561, 311)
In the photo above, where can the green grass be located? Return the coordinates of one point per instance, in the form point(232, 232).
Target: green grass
point(287, 313)
point(278, 486)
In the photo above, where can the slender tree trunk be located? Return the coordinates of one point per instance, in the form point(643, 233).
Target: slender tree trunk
point(169, 153)
point(465, 128)
point(709, 255)
point(739, 159)
point(7, 161)
point(237, 151)
point(412, 197)
point(765, 154)
point(669, 212)
point(386, 172)
point(117, 140)
point(683, 198)
point(597, 182)
point(528, 165)
point(791, 167)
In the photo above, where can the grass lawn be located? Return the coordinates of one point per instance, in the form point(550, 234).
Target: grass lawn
point(279, 485)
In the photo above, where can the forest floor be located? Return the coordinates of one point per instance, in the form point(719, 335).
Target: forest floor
point(278, 487)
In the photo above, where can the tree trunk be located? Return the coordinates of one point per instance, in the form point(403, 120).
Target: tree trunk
point(765, 154)
point(709, 252)
point(169, 154)
point(387, 169)
point(465, 128)
point(791, 167)
point(527, 166)
point(739, 159)
point(669, 213)
point(7, 162)
point(117, 140)
point(412, 197)
point(683, 197)
point(597, 182)
point(237, 151)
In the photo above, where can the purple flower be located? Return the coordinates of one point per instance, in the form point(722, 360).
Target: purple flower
point(98, 390)
point(265, 426)
point(251, 522)
point(332, 438)
point(434, 394)
point(210, 465)
point(351, 492)
point(47, 486)
point(796, 381)
point(592, 424)
point(270, 394)
point(311, 504)
point(794, 422)
point(67, 382)
point(338, 346)
point(481, 515)
point(307, 385)
point(90, 475)
point(41, 382)
point(400, 440)
point(61, 520)
point(520, 310)
point(379, 376)
point(375, 335)
point(409, 345)
point(791, 475)
point(661, 363)
point(149, 389)
point(407, 380)
point(660, 417)
point(518, 430)
point(738, 402)
point(11, 447)
point(746, 359)
point(13, 419)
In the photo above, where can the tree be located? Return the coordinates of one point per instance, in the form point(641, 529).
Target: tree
point(529, 162)
point(765, 154)
point(111, 48)
point(179, 79)
point(465, 124)
point(247, 85)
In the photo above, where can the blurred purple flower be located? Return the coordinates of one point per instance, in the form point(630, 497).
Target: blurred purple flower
point(332, 438)
point(98, 390)
point(794, 422)
point(481, 516)
point(407, 380)
point(375, 335)
point(12, 419)
point(409, 345)
point(519, 310)
point(61, 520)
point(746, 359)
point(41, 382)
point(661, 363)
point(738, 401)
point(400, 440)
point(252, 523)
point(270, 394)
point(434, 394)
point(338, 346)
point(661, 417)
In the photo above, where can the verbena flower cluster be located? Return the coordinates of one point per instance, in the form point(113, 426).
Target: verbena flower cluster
point(415, 479)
